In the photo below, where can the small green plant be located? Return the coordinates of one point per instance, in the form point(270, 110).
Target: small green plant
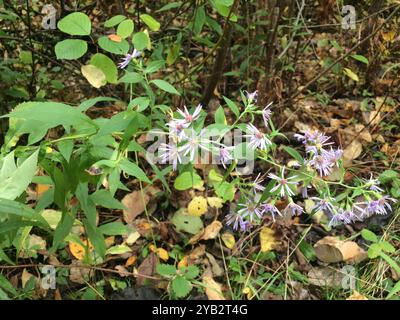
point(381, 248)
point(181, 279)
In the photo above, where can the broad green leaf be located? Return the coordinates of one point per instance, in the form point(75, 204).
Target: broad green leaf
point(120, 48)
point(114, 21)
point(94, 75)
point(140, 40)
point(131, 77)
point(165, 269)
point(104, 198)
point(152, 23)
point(186, 180)
point(395, 289)
point(125, 28)
point(187, 223)
point(154, 66)
point(199, 20)
point(220, 116)
point(70, 49)
point(118, 249)
point(96, 238)
point(133, 170)
point(75, 24)
point(170, 6)
point(374, 251)
point(190, 272)
point(15, 184)
point(164, 85)
point(181, 287)
point(387, 247)
point(294, 153)
point(106, 65)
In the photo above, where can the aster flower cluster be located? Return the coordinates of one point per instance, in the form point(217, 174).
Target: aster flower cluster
point(185, 142)
point(320, 158)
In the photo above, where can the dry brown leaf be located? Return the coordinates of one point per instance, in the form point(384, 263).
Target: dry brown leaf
point(114, 38)
point(332, 249)
point(25, 277)
point(135, 204)
point(213, 288)
point(210, 232)
point(146, 268)
point(352, 151)
point(325, 277)
point(78, 274)
point(122, 271)
point(216, 269)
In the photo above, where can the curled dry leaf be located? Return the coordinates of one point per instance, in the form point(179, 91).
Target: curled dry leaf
point(332, 249)
point(213, 288)
point(325, 277)
point(78, 251)
point(131, 260)
point(228, 239)
point(135, 203)
point(210, 232)
point(122, 271)
point(77, 273)
point(352, 151)
point(146, 268)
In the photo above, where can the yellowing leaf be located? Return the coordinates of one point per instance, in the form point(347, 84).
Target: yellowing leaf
point(210, 232)
point(198, 206)
point(41, 188)
point(162, 254)
point(267, 239)
point(94, 75)
point(348, 72)
point(215, 202)
point(228, 239)
point(183, 262)
point(131, 260)
point(115, 38)
point(78, 251)
point(389, 36)
point(213, 289)
point(357, 296)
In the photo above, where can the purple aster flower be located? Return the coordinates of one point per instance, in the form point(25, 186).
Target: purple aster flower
point(177, 128)
point(304, 191)
point(322, 164)
point(293, 209)
point(257, 138)
point(283, 184)
point(257, 183)
point(335, 221)
point(270, 208)
point(251, 210)
point(372, 184)
point(266, 114)
point(189, 118)
point(324, 205)
point(348, 216)
point(316, 143)
point(194, 143)
point(251, 96)
point(237, 222)
point(128, 57)
point(169, 153)
point(225, 155)
point(383, 205)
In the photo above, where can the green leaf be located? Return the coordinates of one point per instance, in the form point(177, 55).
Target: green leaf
point(181, 287)
point(120, 48)
point(125, 28)
point(173, 53)
point(387, 176)
point(106, 65)
point(220, 116)
point(190, 272)
point(75, 24)
point(387, 247)
point(369, 235)
point(165, 270)
point(187, 223)
point(225, 190)
point(16, 183)
point(232, 106)
point(131, 77)
point(170, 6)
point(116, 228)
point(114, 21)
point(133, 170)
point(164, 85)
point(374, 251)
point(395, 289)
point(140, 40)
point(308, 250)
point(186, 180)
point(294, 153)
point(152, 23)
point(104, 198)
point(154, 66)
point(348, 72)
point(199, 20)
point(119, 249)
point(70, 49)
point(360, 58)
point(6, 285)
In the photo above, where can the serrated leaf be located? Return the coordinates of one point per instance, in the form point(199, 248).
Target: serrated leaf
point(165, 270)
point(181, 287)
point(189, 272)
